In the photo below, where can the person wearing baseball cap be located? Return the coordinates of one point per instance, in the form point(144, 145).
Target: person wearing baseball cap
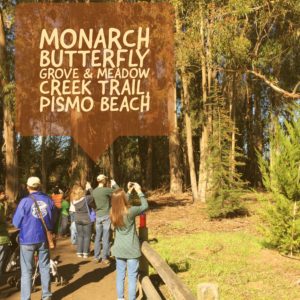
point(102, 195)
point(33, 236)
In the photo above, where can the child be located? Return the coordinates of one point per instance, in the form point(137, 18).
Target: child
point(65, 205)
point(126, 248)
point(57, 197)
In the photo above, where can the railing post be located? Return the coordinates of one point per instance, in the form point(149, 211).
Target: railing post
point(143, 234)
point(207, 291)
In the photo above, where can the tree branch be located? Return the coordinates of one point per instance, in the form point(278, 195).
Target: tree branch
point(276, 88)
point(296, 87)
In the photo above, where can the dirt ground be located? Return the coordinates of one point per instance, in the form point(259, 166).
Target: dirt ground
point(171, 215)
point(168, 215)
point(85, 278)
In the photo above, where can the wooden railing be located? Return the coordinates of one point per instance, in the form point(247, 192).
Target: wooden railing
point(205, 291)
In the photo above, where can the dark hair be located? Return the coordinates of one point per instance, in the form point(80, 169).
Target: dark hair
point(56, 190)
point(34, 188)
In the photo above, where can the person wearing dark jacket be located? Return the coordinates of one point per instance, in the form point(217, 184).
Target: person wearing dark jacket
point(33, 237)
point(83, 204)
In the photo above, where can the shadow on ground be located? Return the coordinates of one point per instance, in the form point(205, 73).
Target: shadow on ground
point(6, 291)
point(68, 271)
point(93, 276)
point(168, 201)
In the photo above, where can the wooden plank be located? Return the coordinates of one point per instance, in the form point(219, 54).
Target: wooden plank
point(144, 264)
point(172, 281)
point(149, 289)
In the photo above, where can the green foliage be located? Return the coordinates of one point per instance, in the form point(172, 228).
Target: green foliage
point(225, 203)
point(238, 35)
point(226, 183)
point(270, 54)
point(241, 7)
point(281, 227)
point(240, 47)
point(281, 176)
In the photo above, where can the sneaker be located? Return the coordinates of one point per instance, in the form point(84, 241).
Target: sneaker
point(79, 254)
point(96, 260)
point(85, 255)
point(105, 262)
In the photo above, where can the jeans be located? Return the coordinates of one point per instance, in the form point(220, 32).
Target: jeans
point(73, 229)
point(63, 224)
point(84, 232)
point(102, 232)
point(4, 250)
point(72, 216)
point(57, 222)
point(27, 265)
point(132, 270)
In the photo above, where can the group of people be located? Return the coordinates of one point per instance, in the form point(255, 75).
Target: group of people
point(86, 202)
point(106, 207)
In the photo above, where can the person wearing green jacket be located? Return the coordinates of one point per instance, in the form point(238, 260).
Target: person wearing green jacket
point(126, 247)
point(102, 194)
point(4, 237)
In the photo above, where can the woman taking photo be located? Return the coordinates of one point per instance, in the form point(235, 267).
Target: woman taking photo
point(83, 204)
point(126, 248)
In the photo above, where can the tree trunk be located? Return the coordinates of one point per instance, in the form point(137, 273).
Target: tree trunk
point(174, 155)
point(233, 130)
point(105, 163)
point(79, 170)
point(84, 170)
point(112, 172)
point(251, 156)
point(203, 168)
point(149, 169)
point(185, 167)
point(11, 179)
point(44, 164)
point(189, 135)
point(142, 145)
point(273, 132)
point(258, 138)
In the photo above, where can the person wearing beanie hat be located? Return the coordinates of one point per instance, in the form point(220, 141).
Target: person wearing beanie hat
point(102, 195)
point(33, 237)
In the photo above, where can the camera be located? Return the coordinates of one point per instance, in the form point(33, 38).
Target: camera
point(130, 184)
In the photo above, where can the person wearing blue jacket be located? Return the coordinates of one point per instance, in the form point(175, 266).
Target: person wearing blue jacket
point(33, 237)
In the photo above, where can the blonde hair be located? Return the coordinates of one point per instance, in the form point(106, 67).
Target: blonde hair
point(77, 192)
